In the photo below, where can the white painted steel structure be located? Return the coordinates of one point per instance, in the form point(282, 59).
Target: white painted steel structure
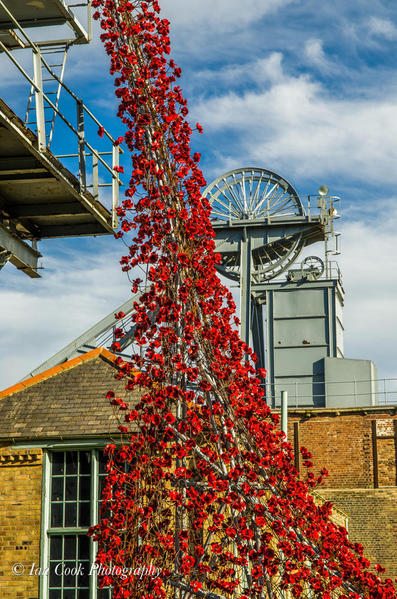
point(39, 197)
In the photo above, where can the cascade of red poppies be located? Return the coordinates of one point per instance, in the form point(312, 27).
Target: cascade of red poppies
point(203, 488)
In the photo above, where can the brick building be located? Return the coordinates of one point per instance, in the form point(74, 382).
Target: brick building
point(54, 426)
point(359, 448)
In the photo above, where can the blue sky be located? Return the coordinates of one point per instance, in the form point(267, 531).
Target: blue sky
point(306, 89)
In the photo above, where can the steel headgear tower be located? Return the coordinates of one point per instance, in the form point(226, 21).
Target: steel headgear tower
point(261, 228)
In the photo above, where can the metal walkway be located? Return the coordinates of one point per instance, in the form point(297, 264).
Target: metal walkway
point(39, 197)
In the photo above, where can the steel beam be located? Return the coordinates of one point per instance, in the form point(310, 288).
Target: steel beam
point(73, 230)
point(50, 209)
point(39, 102)
point(245, 287)
point(4, 257)
point(81, 144)
point(23, 256)
point(258, 333)
point(5, 25)
point(87, 338)
point(26, 178)
point(10, 165)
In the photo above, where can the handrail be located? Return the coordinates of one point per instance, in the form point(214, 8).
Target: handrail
point(38, 89)
point(297, 395)
point(84, 147)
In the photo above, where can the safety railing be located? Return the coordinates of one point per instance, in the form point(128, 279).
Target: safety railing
point(322, 271)
point(104, 171)
point(319, 393)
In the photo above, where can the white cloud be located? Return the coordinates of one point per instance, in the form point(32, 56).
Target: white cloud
point(259, 72)
point(40, 316)
point(298, 126)
point(315, 54)
point(369, 264)
point(382, 28)
point(269, 68)
point(225, 16)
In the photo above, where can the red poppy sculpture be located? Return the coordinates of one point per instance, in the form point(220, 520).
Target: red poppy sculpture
point(203, 489)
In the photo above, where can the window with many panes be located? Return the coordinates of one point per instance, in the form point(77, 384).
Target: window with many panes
point(74, 483)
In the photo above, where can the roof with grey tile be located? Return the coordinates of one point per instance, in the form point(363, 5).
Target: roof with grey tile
point(68, 401)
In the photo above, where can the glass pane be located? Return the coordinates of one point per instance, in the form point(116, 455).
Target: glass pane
point(55, 594)
point(102, 463)
point(84, 548)
point(70, 547)
point(102, 483)
point(103, 594)
point(71, 488)
point(57, 489)
point(56, 514)
point(58, 462)
point(71, 462)
point(84, 513)
point(84, 580)
point(68, 594)
point(83, 594)
point(56, 548)
point(55, 577)
point(85, 462)
point(85, 487)
point(69, 571)
point(70, 514)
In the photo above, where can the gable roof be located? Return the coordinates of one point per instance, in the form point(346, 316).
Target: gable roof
point(99, 351)
point(67, 401)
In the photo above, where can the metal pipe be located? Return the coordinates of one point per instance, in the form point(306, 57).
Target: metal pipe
point(81, 144)
point(284, 413)
point(86, 153)
point(245, 287)
point(39, 102)
point(115, 186)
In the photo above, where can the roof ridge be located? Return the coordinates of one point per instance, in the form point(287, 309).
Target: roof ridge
point(42, 376)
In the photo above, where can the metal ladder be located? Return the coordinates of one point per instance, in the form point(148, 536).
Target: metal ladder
point(55, 56)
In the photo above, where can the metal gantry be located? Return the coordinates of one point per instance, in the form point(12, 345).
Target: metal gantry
point(291, 313)
point(39, 197)
point(261, 229)
point(100, 334)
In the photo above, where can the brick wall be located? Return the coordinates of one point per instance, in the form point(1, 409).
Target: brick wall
point(359, 448)
point(20, 511)
point(351, 444)
point(372, 522)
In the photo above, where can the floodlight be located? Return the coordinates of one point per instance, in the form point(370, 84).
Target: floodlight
point(323, 190)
